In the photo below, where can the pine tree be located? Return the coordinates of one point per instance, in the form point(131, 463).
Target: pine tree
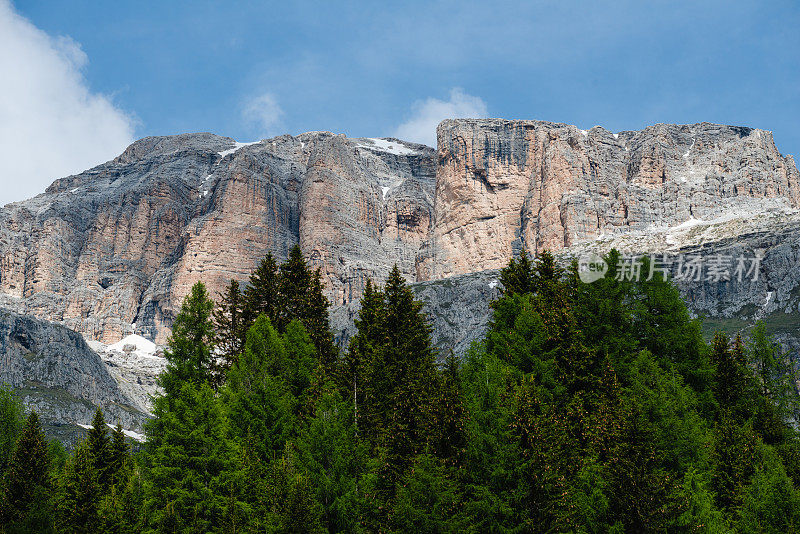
point(258, 402)
point(27, 482)
point(353, 368)
point(79, 494)
point(191, 461)
point(190, 355)
point(449, 417)
point(229, 326)
point(335, 460)
point(302, 297)
point(294, 509)
point(261, 295)
point(402, 381)
point(11, 423)
point(99, 447)
point(119, 454)
point(518, 276)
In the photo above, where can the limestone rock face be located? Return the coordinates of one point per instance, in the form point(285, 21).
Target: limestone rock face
point(113, 251)
point(57, 374)
point(505, 185)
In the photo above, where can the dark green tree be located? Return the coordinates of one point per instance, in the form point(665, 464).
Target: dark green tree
point(27, 487)
point(190, 354)
point(79, 494)
point(261, 294)
point(11, 422)
point(229, 324)
point(191, 462)
point(369, 337)
point(302, 298)
point(518, 276)
point(258, 402)
point(99, 447)
point(119, 454)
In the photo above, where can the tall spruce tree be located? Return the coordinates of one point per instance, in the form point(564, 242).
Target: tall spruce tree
point(26, 489)
point(99, 447)
point(229, 323)
point(259, 404)
point(403, 380)
point(261, 295)
point(79, 494)
point(11, 422)
point(191, 462)
point(302, 298)
point(190, 352)
point(369, 337)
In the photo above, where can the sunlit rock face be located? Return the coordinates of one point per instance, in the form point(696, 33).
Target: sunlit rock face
point(112, 251)
point(506, 185)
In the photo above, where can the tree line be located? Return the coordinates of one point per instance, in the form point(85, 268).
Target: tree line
point(586, 408)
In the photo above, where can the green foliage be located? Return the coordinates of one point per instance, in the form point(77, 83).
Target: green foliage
point(258, 403)
point(229, 326)
point(587, 408)
point(190, 460)
point(99, 447)
point(79, 495)
point(27, 487)
point(11, 423)
point(191, 345)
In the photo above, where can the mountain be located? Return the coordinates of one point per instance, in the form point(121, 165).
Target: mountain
point(54, 371)
point(111, 252)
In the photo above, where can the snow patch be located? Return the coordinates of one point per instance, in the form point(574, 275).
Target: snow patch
point(392, 147)
point(144, 347)
point(385, 191)
point(237, 146)
point(129, 433)
point(493, 284)
point(584, 132)
point(616, 136)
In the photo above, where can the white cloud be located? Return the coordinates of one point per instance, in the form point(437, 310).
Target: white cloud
point(264, 114)
point(427, 114)
point(51, 123)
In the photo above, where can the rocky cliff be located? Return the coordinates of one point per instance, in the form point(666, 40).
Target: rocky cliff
point(506, 185)
point(56, 373)
point(113, 250)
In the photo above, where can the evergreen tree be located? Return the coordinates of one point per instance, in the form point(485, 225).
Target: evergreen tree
point(11, 423)
point(261, 295)
point(191, 462)
point(119, 454)
point(518, 275)
point(257, 400)
point(403, 380)
point(294, 508)
point(301, 297)
point(26, 490)
point(99, 447)
point(230, 328)
point(190, 355)
point(335, 460)
point(79, 494)
point(362, 349)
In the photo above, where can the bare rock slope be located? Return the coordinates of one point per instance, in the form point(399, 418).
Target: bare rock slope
point(112, 251)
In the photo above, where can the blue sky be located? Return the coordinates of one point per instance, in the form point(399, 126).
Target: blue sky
point(249, 70)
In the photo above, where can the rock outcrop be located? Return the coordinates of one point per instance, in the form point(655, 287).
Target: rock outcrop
point(112, 251)
point(506, 185)
point(56, 373)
